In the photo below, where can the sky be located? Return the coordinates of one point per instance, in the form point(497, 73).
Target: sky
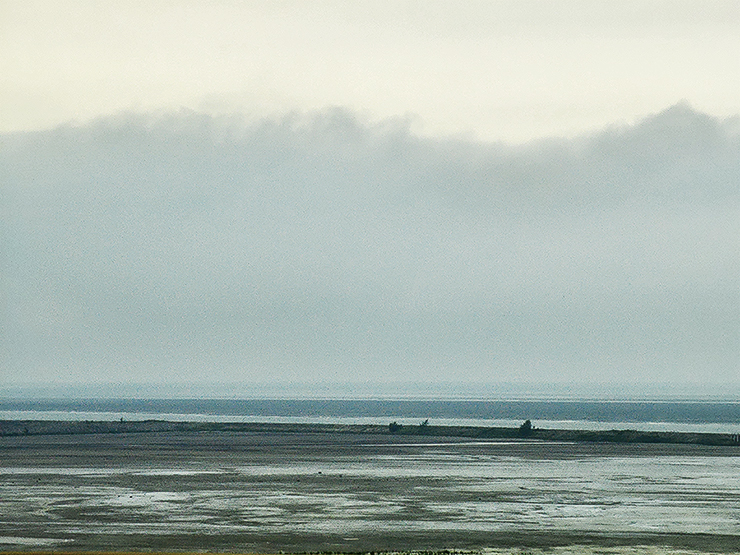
point(370, 192)
point(508, 70)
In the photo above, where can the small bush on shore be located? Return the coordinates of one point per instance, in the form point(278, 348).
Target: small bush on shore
point(526, 428)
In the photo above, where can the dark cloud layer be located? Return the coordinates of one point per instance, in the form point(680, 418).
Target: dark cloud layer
point(316, 247)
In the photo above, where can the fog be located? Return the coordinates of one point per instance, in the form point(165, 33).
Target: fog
point(319, 247)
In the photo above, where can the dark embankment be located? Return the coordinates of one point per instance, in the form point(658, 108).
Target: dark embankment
point(42, 427)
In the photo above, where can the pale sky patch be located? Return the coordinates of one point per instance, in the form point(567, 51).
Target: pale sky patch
point(506, 70)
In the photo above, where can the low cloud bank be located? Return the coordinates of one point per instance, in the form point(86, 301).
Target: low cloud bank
point(316, 247)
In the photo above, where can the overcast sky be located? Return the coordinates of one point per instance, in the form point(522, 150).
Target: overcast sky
point(497, 70)
point(370, 191)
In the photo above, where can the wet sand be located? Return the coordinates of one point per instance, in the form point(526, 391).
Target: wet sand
point(354, 492)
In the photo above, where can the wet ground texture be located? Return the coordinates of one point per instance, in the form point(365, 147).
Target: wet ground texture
point(299, 492)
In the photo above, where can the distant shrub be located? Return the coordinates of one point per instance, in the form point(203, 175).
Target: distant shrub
point(526, 428)
point(394, 427)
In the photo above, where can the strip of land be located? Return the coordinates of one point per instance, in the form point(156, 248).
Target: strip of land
point(43, 427)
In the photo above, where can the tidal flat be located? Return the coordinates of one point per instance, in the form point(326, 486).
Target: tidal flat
point(355, 492)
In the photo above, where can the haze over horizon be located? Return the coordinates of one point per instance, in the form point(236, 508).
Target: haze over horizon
point(317, 248)
point(283, 193)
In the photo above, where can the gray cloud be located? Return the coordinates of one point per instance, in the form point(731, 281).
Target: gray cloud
point(316, 247)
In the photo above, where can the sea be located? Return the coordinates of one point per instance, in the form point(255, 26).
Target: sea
point(702, 416)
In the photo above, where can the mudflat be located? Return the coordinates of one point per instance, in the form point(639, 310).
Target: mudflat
point(352, 492)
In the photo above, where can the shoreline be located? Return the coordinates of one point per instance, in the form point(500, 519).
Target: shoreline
point(59, 427)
